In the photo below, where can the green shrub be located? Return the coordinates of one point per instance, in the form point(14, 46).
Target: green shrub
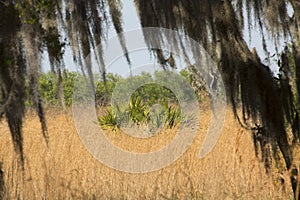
point(68, 82)
point(109, 120)
point(138, 111)
point(154, 93)
point(48, 88)
point(157, 118)
point(150, 93)
point(103, 95)
point(173, 116)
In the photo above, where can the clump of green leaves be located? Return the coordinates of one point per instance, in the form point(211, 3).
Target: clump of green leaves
point(140, 113)
point(109, 120)
point(49, 86)
point(138, 110)
point(173, 116)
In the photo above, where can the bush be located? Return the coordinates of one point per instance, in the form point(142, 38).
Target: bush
point(150, 93)
point(140, 113)
point(48, 88)
point(139, 109)
point(154, 93)
point(68, 81)
point(103, 95)
point(173, 116)
point(109, 120)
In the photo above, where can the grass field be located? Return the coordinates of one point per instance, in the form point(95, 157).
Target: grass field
point(65, 169)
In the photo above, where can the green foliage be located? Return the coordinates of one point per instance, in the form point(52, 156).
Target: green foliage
point(29, 11)
point(103, 95)
point(157, 118)
point(69, 79)
point(153, 93)
point(169, 115)
point(128, 86)
point(162, 86)
point(173, 116)
point(138, 111)
point(48, 88)
point(152, 89)
point(109, 120)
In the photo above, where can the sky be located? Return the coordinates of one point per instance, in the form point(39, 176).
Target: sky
point(139, 58)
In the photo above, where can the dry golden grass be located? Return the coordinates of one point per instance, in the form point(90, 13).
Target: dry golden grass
point(65, 170)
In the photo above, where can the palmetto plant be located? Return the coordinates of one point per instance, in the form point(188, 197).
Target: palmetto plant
point(109, 121)
point(157, 118)
point(170, 116)
point(118, 116)
point(140, 113)
point(114, 118)
point(138, 110)
point(173, 116)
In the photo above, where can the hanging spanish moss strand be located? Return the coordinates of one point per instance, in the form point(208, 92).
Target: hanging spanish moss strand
point(12, 75)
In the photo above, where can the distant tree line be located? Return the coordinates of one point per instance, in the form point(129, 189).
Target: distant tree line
point(150, 91)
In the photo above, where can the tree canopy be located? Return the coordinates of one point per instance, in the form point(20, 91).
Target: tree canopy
point(269, 106)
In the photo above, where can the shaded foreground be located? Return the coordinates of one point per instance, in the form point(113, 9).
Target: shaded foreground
point(66, 170)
